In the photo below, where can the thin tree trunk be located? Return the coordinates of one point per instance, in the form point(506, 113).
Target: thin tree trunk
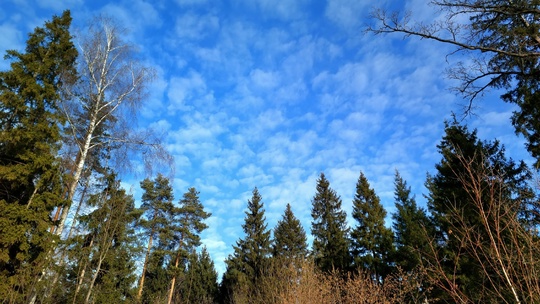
point(108, 235)
point(145, 265)
point(94, 277)
point(81, 201)
point(77, 175)
point(62, 255)
point(81, 276)
point(173, 281)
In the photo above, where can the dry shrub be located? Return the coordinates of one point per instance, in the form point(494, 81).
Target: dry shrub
point(400, 287)
point(302, 282)
point(503, 244)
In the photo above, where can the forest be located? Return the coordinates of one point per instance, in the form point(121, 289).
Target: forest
point(70, 233)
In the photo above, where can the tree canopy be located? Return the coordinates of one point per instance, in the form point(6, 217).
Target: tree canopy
point(504, 42)
point(329, 228)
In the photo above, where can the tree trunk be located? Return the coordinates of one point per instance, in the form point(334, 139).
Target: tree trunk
point(173, 281)
point(145, 265)
point(83, 153)
point(81, 276)
point(94, 277)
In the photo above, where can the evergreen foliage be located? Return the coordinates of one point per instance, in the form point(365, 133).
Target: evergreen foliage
point(251, 254)
point(503, 39)
point(453, 210)
point(30, 178)
point(290, 241)
point(111, 247)
point(372, 241)
point(329, 229)
point(158, 207)
point(412, 229)
point(200, 282)
point(188, 223)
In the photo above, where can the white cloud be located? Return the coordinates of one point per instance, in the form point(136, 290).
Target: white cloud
point(264, 80)
point(190, 2)
point(137, 16)
point(347, 13)
point(195, 27)
point(60, 5)
point(10, 39)
point(284, 10)
point(183, 92)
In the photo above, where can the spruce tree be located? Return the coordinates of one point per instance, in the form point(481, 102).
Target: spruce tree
point(251, 254)
point(329, 229)
point(372, 241)
point(290, 242)
point(411, 226)
point(30, 179)
point(455, 212)
point(200, 282)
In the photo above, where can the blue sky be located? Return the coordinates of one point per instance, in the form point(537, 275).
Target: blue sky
point(269, 94)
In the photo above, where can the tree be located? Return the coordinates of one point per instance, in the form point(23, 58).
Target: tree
point(290, 240)
point(111, 85)
point(412, 238)
point(112, 247)
point(251, 254)
point(372, 241)
point(188, 224)
point(200, 284)
point(502, 37)
point(411, 227)
point(456, 212)
point(30, 177)
point(505, 247)
point(157, 205)
point(329, 228)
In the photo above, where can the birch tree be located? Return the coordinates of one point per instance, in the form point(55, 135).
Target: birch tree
point(111, 87)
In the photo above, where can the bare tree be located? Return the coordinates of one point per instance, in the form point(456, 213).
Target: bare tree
point(99, 107)
point(503, 40)
point(506, 247)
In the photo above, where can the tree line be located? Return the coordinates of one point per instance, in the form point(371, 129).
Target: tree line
point(71, 234)
point(477, 241)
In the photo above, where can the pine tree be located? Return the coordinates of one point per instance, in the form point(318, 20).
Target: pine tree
point(455, 212)
point(30, 179)
point(251, 254)
point(329, 228)
point(290, 240)
point(186, 228)
point(372, 241)
point(411, 226)
point(157, 205)
point(200, 282)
